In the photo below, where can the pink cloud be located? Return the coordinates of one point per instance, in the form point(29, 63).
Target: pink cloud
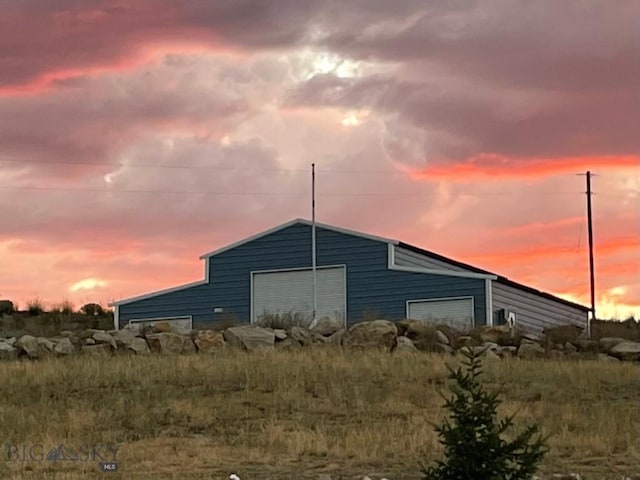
point(136, 135)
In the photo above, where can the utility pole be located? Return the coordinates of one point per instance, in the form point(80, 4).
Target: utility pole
point(313, 243)
point(591, 266)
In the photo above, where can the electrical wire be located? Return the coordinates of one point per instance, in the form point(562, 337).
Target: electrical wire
point(276, 193)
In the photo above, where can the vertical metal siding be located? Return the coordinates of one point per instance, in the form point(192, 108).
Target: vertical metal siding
point(533, 312)
point(371, 286)
point(408, 258)
point(277, 293)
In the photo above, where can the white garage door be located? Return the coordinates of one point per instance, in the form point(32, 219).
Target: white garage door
point(290, 293)
point(457, 312)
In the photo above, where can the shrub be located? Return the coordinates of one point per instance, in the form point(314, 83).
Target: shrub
point(283, 320)
point(474, 447)
point(6, 307)
point(65, 308)
point(35, 307)
point(93, 310)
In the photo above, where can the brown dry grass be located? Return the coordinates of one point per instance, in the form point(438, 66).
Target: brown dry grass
point(298, 414)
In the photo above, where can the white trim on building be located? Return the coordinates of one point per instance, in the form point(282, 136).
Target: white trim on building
point(488, 299)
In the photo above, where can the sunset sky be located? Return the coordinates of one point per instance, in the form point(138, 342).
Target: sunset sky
point(137, 135)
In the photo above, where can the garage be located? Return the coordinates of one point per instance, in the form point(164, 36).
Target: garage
point(358, 275)
point(457, 312)
point(290, 292)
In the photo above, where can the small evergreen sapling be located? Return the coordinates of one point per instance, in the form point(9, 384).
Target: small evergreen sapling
point(472, 436)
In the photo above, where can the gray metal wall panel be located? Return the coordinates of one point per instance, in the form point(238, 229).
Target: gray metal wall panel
point(455, 312)
point(371, 287)
point(277, 293)
point(408, 258)
point(533, 312)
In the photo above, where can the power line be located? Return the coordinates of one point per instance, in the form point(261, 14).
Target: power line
point(278, 193)
point(202, 167)
point(23, 161)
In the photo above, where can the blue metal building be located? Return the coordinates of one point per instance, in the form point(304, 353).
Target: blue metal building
point(357, 276)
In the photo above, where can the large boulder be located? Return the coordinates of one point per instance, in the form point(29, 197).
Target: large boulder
point(46, 346)
point(249, 337)
point(128, 342)
point(122, 337)
point(629, 351)
point(530, 351)
point(607, 343)
point(280, 334)
point(63, 346)
point(32, 347)
point(404, 345)
point(161, 327)
point(104, 338)
point(75, 340)
point(137, 329)
point(136, 345)
point(170, 343)
point(467, 341)
point(507, 351)
point(306, 337)
point(327, 326)
point(336, 338)
point(500, 334)
point(8, 352)
point(288, 344)
point(424, 337)
point(208, 341)
point(442, 338)
point(99, 337)
point(380, 334)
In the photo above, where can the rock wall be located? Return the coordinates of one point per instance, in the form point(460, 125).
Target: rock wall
point(406, 336)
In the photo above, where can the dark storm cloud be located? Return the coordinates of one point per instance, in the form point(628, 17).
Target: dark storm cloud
point(458, 122)
point(93, 120)
point(543, 44)
point(41, 37)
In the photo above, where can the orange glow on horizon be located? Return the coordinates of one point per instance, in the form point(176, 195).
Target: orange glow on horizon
point(608, 247)
point(491, 165)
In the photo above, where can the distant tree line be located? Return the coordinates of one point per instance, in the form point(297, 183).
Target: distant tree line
point(36, 307)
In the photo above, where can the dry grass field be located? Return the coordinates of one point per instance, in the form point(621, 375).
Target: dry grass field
point(299, 414)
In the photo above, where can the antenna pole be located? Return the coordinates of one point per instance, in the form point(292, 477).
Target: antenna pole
point(313, 243)
point(591, 265)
